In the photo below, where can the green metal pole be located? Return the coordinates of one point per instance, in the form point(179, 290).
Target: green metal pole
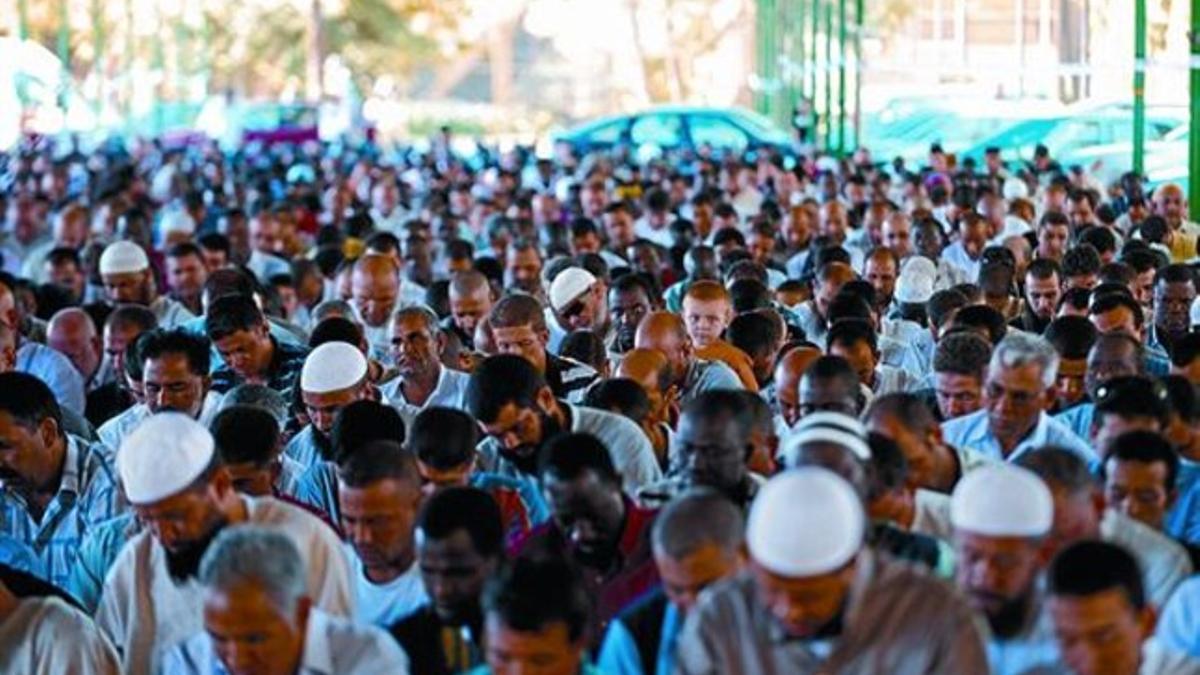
point(99, 38)
point(759, 38)
point(64, 49)
point(799, 51)
point(1139, 84)
point(827, 111)
point(812, 62)
point(23, 19)
point(1194, 99)
point(841, 122)
point(858, 72)
point(770, 54)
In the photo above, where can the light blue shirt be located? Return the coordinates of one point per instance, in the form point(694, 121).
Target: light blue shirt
point(56, 371)
point(449, 392)
point(1179, 625)
point(707, 376)
point(385, 604)
point(19, 556)
point(973, 431)
point(331, 645)
point(1079, 419)
point(99, 550)
point(814, 327)
point(265, 265)
point(87, 496)
point(619, 653)
point(956, 255)
point(303, 449)
point(1183, 520)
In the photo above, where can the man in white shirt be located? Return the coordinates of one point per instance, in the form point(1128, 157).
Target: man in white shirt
point(376, 293)
point(965, 254)
point(423, 381)
point(128, 278)
point(259, 618)
point(379, 494)
point(179, 490)
point(50, 636)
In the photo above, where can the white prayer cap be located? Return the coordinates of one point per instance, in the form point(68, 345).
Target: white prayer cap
point(1015, 188)
point(177, 221)
point(569, 285)
point(123, 257)
point(1002, 500)
point(332, 367)
point(162, 456)
point(826, 427)
point(805, 522)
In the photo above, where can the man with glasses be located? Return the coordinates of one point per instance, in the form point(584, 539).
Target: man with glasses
point(578, 301)
point(1018, 389)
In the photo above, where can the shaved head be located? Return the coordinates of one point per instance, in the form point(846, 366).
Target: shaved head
point(788, 372)
point(666, 333)
point(647, 367)
point(72, 332)
point(375, 288)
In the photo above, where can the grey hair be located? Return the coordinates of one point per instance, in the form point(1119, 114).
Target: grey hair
point(1021, 349)
point(262, 556)
point(340, 308)
point(423, 311)
point(258, 396)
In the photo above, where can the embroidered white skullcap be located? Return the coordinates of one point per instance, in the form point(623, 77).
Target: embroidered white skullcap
point(1002, 500)
point(332, 366)
point(569, 285)
point(805, 522)
point(123, 257)
point(162, 456)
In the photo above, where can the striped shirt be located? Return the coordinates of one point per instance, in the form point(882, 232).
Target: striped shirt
point(87, 496)
point(568, 378)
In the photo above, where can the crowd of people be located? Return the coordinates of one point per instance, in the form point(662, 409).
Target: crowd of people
point(361, 409)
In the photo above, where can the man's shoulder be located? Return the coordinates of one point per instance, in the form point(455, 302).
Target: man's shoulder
point(964, 424)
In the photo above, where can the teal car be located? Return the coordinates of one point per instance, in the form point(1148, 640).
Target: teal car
point(679, 127)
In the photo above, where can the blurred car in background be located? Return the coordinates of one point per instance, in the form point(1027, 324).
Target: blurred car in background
point(679, 127)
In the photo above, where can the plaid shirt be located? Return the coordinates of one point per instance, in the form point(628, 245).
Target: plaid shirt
point(87, 495)
point(286, 363)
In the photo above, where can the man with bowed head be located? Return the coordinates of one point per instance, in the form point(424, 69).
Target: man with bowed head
point(128, 278)
point(184, 497)
point(334, 376)
point(260, 619)
point(816, 600)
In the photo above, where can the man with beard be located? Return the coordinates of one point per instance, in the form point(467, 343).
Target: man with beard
point(814, 599)
point(710, 448)
point(1043, 290)
point(128, 278)
point(53, 488)
point(174, 378)
point(1174, 293)
point(1002, 515)
point(652, 372)
point(379, 492)
point(470, 302)
point(422, 381)
point(630, 299)
point(666, 333)
point(519, 413)
point(578, 301)
point(519, 327)
point(242, 336)
point(460, 545)
point(334, 376)
point(1017, 392)
point(812, 314)
point(523, 267)
point(182, 494)
point(595, 523)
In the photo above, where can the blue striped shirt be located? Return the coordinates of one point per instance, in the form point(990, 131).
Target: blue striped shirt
point(87, 495)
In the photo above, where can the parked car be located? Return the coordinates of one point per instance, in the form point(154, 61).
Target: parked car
point(675, 127)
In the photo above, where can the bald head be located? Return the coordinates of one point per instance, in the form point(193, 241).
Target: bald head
point(666, 333)
point(72, 332)
point(647, 367)
point(788, 372)
point(374, 288)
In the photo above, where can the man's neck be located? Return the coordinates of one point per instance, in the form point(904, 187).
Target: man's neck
point(1009, 444)
point(419, 386)
point(391, 571)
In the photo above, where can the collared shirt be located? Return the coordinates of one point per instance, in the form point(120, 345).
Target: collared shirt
point(304, 450)
point(170, 313)
point(957, 255)
point(568, 378)
point(46, 635)
point(449, 392)
point(99, 549)
point(86, 496)
point(266, 265)
point(795, 264)
point(1078, 419)
point(627, 445)
point(620, 653)
point(1164, 563)
point(973, 431)
point(16, 555)
point(56, 371)
point(145, 612)
point(114, 431)
point(914, 336)
point(890, 379)
point(287, 360)
point(813, 324)
point(898, 620)
point(384, 604)
point(332, 646)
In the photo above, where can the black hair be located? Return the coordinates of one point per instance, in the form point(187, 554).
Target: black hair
point(1071, 336)
point(1043, 268)
point(749, 294)
point(1175, 274)
point(889, 467)
point(362, 422)
point(586, 347)
point(230, 314)
point(848, 306)
point(196, 348)
point(335, 329)
point(245, 433)
point(229, 281)
point(1089, 567)
point(443, 438)
point(982, 316)
point(1081, 260)
point(1100, 238)
point(1146, 447)
point(755, 333)
point(1077, 297)
point(1185, 399)
point(942, 304)
point(184, 249)
point(28, 400)
point(621, 396)
point(1060, 468)
point(541, 587)
point(1107, 302)
point(379, 460)
point(1132, 396)
point(500, 380)
point(847, 332)
point(567, 456)
point(463, 508)
point(962, 354)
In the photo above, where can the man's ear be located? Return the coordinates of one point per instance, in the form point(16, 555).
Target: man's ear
point(545, 399)
point(1048, 397)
